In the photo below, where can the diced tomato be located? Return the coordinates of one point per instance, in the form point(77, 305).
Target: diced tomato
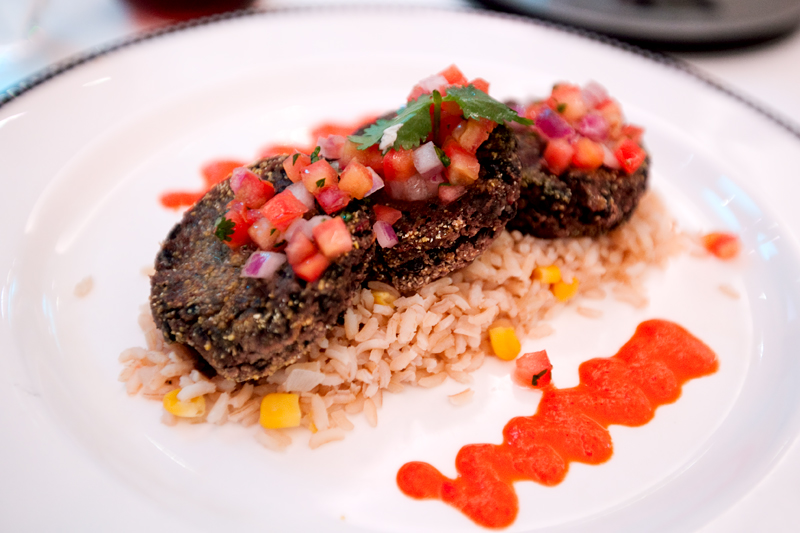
point(475, 133)
point(398, 165)
point(632, 132)
point(264, 234)
point(533, 370)
point(295, 165)
point(454, 76)
point(630, 155)
point(568, 100)
point(722, 245)
point(175, 200)
point(371, 157)
point(356, 180)
point(312, 268)
point(588, 154)
point(613, 115)
point(239, 237)
point(283, 209)
point(332, 199)
point(333, 238)
point(299, 248)
point(464, 168)
point(387, 214)
point(216, 171)
point(449, 118)
point(558, 155)
point(480, 84)
point(319, 175)
point(415, 93)
point(252, 191)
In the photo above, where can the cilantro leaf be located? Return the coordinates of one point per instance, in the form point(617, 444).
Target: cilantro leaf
point(224, 229)
point(315, 155)
point(415, 124)
point(320, 182)
point(294, 159)
point(477, 104)
point(537, 377)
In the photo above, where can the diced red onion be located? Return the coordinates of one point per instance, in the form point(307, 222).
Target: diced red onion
point(385, 234)
point(263, 265)
point(609, 159)
point(593, 126)
point(331, 147)
point(298, 225)
point(553, 125)
point(437, 81)
point(415, 189)
point(519, 109)
point(594, 94)
point(451, 193)
point(427, 161)
point(377, 182)
point(237, 177)
point(301, 193)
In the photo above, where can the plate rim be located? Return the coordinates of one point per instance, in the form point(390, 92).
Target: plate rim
point(46, 74)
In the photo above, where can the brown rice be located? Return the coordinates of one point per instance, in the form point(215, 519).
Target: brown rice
point(424, 339)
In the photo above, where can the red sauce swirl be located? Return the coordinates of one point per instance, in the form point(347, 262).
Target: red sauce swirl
point(569, 424)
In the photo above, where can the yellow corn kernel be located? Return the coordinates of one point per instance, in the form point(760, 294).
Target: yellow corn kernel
point(505, 344)
point(547, 275)
point(564, 291)
point(383, 297)
point(280, 410)
point(194, 408)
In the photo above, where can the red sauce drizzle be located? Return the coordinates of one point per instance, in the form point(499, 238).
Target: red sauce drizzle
point(569, 425)
point(217, 170)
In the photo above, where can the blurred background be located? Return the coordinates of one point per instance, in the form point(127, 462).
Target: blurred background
point(752, 46)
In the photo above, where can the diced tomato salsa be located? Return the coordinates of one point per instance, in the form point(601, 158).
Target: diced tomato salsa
point(337, 169)
point(584, 129)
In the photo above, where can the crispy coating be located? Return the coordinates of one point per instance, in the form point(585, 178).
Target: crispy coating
point(247, 328)
point(435, 239)
point(576, 203)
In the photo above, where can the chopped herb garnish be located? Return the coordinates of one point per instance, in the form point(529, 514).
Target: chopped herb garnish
point(415, 119)
point(537, 377)
point(442, 157)
point(561, 108)
point(315, 155)
point(347, 216)
point(320, 183)
point(272, 231)
point(224, 230)
point(294, 158)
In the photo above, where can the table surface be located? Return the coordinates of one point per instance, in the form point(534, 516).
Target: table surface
point(767, 75)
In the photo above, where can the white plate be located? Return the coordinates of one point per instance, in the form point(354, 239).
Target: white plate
point(85, 155)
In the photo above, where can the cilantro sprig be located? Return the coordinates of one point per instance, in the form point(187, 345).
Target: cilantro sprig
point(224, 229)
point(414, 120)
